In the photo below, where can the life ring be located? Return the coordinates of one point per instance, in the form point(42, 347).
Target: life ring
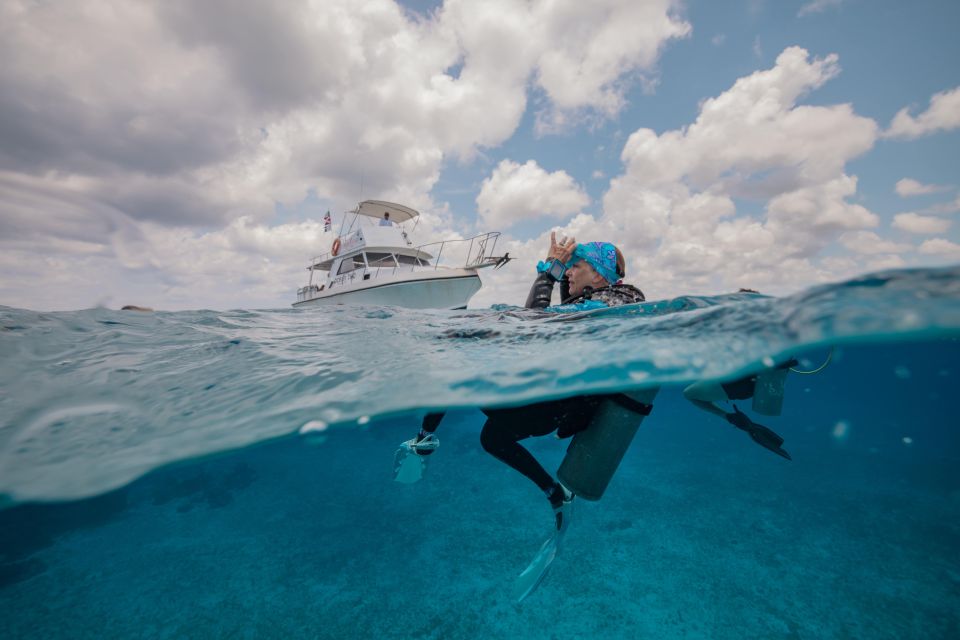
point(335, 249)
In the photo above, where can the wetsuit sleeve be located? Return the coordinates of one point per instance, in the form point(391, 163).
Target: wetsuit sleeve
point(564, 287)
point(540, 292)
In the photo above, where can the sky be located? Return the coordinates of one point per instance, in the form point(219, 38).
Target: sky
point(181, 155)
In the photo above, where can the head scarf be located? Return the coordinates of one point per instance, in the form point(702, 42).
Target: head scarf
point(602, 256)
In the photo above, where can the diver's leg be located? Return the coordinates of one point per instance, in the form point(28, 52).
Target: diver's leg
point(408, 461)
point(425, 442)
point(500, 438)
point(431, 421)
point(506, 427)
point(704, 393)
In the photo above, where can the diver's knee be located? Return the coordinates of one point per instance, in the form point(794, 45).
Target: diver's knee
point(705, 391)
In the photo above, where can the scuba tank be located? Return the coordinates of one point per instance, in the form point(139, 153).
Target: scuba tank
point(595, 453)
point(768, 392)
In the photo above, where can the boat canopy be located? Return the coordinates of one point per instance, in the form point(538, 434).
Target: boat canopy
point(376, 209)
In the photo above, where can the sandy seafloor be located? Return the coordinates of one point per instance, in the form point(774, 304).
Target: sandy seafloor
point(702, 534)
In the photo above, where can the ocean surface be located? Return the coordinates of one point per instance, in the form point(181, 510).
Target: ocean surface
point(208, 474)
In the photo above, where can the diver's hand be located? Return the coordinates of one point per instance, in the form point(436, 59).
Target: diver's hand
point(563, 250)
point(739, 419)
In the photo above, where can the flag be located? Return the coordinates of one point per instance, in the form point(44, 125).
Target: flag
point(327, 222)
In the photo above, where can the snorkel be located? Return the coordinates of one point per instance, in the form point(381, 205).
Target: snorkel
point(602, 256)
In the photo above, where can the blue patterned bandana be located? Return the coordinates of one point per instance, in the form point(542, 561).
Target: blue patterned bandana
point(602, 256)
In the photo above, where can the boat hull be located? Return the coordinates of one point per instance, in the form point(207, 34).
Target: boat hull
point(426, 291)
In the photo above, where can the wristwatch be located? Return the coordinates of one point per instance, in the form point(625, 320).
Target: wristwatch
point(553, 268)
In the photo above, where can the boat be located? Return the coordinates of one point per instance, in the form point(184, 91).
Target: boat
point(373, 261)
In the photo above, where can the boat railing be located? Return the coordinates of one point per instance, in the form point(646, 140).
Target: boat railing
point(465, 252)
point(470, 252)
point(308, 292)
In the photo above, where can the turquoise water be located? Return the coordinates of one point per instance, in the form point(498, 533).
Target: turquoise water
point(228, 474)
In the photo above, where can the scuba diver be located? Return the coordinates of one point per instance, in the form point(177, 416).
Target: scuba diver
point(590, 277)
point(766, 389)
point(602, 426)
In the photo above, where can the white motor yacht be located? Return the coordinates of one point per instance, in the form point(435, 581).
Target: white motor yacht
point(373, 261)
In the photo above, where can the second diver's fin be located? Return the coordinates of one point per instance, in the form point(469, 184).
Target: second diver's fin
point(768, 439)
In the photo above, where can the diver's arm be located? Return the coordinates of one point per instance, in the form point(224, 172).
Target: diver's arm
point(540, 292)
point(542, 289)
point(564, 287)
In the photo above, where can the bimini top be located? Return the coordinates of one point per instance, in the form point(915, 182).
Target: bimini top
point(376, 209)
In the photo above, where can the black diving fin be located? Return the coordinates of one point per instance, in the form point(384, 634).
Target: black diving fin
point(763, 436)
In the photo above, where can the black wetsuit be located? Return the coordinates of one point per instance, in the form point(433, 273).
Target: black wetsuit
point(505, 428)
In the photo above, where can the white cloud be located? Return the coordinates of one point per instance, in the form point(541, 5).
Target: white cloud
point(884, 262)
point(915, 223)
point(941, 247)
point(952, 206)
point(516, 192)
point(910, 187)
point(750, 193)
point(754, 127)
point(594, 47)
point(818, 6)
point(943, 114)
point(869, 243)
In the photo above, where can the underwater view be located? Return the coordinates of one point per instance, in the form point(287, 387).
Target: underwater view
point(233, 474)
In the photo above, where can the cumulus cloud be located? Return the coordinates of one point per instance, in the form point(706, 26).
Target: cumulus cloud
point(131, 116)
point(941, 247)
point(952, 206)
point(915, 223)
point(516, 192)
point(603, 42)
point(818, 6)
point(943, 114)
point(909, 187)
point(751, 192)
point(869, 243)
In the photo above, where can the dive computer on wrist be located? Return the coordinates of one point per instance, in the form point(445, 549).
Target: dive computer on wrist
point(553, 268)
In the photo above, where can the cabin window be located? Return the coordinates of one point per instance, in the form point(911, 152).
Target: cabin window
point(408, 260)
point(349, 264)
point(381, 260)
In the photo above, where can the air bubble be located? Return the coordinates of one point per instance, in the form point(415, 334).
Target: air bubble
point(314, 425)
